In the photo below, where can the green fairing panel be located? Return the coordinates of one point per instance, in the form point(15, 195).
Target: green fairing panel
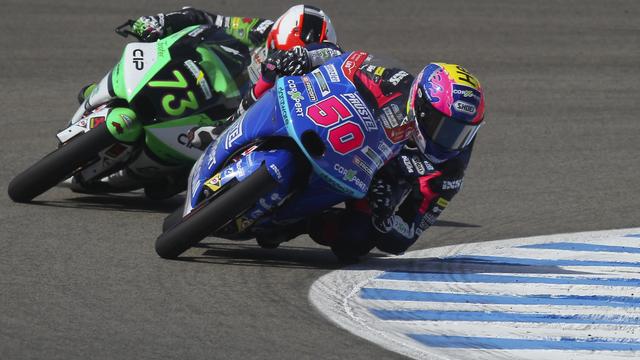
point(138, 56)
point(123, 124)
point(240, 29)
point(217, 73)
point(168, 140)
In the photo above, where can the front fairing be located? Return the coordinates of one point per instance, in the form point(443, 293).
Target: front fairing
point(260, 121)
point(327, 103)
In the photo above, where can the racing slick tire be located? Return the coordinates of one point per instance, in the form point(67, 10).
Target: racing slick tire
point(172, 219)
point(59, 164)
point(223, 209)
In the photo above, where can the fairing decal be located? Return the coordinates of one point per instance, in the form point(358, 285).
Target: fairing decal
point(140, 62)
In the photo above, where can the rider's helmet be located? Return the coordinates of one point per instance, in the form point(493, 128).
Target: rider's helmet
point(447, 103)
point(299, 26)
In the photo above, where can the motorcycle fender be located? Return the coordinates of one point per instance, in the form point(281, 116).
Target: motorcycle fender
point(123, 124)
point(101, 94)
point(83, 125)
point(281, 166)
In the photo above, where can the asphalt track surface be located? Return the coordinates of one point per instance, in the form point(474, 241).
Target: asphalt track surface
point(79, 277)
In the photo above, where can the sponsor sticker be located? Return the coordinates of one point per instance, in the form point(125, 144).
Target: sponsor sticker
point(200, 80)
point(402, 227)
point(196, 32)
point(296, 96)
point(359, 106)
point(386, 150)
point(373, 156)
point(276, 171)
point(407, 164)
point(310, 91)
point(264, 26)
point(417, 164)
point(362, 165)
point(391, 118)
point(466, 92)
point(234, 132)
point(333, 73)
point(322, 82)
point(350, 176)
point(215, 183)
point(211, 159)
point(95, 121)
point(451, 185)
point(352, 63)
point(396, 78)
point(465, 107)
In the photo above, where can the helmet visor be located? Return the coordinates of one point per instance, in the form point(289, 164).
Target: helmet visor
point(312, 25)
point(444, 130)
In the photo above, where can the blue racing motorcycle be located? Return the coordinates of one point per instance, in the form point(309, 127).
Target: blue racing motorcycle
point(308, 144)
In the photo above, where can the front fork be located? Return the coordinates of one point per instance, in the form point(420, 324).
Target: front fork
point(122, 124)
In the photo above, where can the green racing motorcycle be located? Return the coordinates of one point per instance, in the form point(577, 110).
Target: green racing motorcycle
point(137, 118)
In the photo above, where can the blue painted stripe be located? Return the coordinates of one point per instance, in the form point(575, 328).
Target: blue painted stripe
point(633, 235)
point(464, 342)
point(573, 300)
point(499, 260)
point(583, 247)
point(505, 279)
point(498, 316)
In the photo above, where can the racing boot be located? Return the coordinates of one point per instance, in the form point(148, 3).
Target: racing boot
point(85, 92)
point(202, 137)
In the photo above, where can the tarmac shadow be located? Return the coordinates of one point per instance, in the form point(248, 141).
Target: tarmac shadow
point(248, 253)
point(116, 202)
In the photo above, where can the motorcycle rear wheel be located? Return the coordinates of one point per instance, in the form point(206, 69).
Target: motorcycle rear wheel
point(59, 164)
point(176, 240)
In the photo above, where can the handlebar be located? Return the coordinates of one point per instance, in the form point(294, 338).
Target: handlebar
point(124, 30)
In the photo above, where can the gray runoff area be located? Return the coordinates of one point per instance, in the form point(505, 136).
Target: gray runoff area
point(79, 276)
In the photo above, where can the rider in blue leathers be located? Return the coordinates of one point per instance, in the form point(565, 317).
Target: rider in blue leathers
point(436, 115)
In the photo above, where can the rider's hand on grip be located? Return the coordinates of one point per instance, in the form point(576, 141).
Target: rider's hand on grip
point(282, 63)
point(295, 62)
point(149, 28)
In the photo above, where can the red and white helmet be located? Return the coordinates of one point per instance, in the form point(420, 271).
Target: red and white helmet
point(299, 26)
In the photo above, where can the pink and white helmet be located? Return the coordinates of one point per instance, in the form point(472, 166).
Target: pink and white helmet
point(447, 102)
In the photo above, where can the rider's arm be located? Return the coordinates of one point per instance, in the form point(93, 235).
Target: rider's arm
point(250, 31)
point(293, 62)
point(429, 196)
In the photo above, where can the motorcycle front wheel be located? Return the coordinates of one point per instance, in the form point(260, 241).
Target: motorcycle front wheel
point(59, 164)
point(223, 209)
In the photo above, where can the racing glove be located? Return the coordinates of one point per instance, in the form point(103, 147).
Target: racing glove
point(295, 62)
point(382, 203)
point(291, 62)
point(149, 28)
